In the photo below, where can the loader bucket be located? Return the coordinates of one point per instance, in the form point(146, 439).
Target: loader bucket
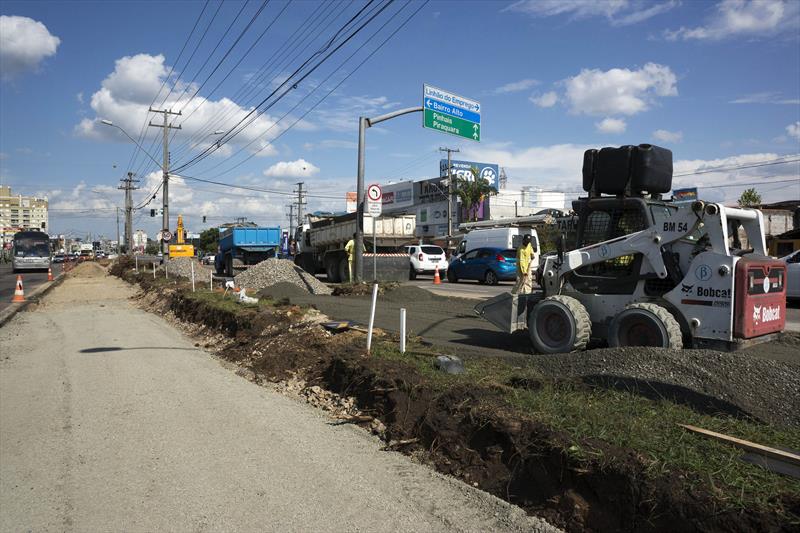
point(509, 312)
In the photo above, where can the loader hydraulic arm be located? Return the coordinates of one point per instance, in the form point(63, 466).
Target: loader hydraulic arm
point(668, 227)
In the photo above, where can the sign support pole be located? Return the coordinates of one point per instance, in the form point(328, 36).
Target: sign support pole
point(374, 254)
point(363, 124)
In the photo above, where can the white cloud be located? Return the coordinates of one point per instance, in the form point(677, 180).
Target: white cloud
point(794, 130)
point(611, 125)
point(342, 114)
point(299, 168)
point(617, 12)
point(516, 86)
point(335, 144)
point(668, 136)
point(548, 99)
point(126, 93)
point(24, 43)
point(766, 97)
point(79, 97)
point(744, 18)
point(619, 91)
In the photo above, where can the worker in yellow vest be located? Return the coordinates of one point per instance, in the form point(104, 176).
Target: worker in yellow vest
point(525, 261)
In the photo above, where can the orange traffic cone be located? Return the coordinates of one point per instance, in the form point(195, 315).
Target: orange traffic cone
point(436, 279)
point(19, 292)
point(49, 274)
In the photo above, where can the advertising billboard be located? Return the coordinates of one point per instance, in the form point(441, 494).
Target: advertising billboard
point(461, 169)
point(398, 196)
point(685, 195)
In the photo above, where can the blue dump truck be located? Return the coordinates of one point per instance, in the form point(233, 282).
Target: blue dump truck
point(240, 247)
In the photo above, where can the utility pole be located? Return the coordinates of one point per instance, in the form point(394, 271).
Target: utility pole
point(128, 185)
point(449, 195)
point(301, 201)
point(291, 218)
point(363, 124)
point(165, 173)
point(118, 247)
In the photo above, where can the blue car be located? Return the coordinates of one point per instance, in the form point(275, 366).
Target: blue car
point(487, 265)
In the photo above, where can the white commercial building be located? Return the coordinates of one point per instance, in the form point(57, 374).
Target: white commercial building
point(19, 212)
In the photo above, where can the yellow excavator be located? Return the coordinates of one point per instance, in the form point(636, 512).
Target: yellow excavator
point(180, 249)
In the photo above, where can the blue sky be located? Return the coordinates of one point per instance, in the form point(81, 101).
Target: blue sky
point(717, 82)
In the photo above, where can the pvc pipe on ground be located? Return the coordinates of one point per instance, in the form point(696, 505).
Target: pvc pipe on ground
point(192, 264)
point(166, 270)
point(372, 316)
point(211, 281)
point(154, 270)
point(136, 263)
point(402, 330)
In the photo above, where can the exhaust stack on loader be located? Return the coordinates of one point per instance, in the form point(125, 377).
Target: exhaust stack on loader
point(647, 271)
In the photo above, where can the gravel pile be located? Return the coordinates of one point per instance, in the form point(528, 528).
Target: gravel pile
point(273, 271)
point(734, 382)
point(182, 267)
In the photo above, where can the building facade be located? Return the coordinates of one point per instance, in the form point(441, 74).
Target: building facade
point(18, 212)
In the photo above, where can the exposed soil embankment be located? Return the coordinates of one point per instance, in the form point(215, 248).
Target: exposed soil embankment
point(470, 429)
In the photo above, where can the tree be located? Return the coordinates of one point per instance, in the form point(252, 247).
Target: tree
point(749, 198)
point(209, 240)
point(152, 247)
point(472, 192)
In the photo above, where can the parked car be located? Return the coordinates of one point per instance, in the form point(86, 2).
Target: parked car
point(486, 265)
point(792, 274)
point(59, 258)
point(208, 259)
point(425, 258)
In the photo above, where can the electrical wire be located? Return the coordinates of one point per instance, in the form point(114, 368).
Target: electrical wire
point(142, 134)
point(258, 111)
point(334, 88)
point(244, 95)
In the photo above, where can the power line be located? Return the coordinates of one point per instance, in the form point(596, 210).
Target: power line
point(257, 111)
point(244, 93)
point(143, 129)
point(334, 88)
point(779, 161)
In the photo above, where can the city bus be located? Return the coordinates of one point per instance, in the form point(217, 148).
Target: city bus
point(30, 250)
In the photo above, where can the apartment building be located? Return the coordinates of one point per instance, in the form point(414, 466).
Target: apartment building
point(18, 212)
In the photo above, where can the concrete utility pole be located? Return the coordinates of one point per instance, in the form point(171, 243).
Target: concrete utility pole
point(118, 244)
point(449, 196)
point(128, 185)
point(165, 173)
point(291, 220)
point(301, 201)
point(363, 124)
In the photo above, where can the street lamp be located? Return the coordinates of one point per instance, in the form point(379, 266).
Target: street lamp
point(109, 123)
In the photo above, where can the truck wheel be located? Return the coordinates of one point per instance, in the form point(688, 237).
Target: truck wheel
point(332, 270)
point(643, 324)
point(490, 278)
point(344, 270)
point(229, 266)
point(559, 324)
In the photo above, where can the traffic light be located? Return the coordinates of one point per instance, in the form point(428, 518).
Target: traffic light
point(204, 219)
point(152, 212)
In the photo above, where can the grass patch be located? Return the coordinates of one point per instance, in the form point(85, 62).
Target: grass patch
point(628, 421)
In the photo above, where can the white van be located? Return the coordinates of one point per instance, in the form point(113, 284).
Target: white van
point(509, 237)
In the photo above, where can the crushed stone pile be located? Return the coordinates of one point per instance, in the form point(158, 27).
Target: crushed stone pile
point(182, 267)
point(734, 382)
point(274, 271)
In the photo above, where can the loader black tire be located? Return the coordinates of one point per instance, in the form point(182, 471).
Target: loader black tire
point(559, 324)
point(645, 324)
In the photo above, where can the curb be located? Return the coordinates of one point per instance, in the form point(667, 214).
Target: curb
point(8, 313)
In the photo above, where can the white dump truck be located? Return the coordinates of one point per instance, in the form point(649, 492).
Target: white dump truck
point(321, 244)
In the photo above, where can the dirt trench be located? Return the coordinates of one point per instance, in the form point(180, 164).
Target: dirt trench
point(466, 433)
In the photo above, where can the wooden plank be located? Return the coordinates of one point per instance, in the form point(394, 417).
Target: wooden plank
point(775, 453)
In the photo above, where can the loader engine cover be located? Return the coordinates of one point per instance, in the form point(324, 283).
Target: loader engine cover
point(760, 302)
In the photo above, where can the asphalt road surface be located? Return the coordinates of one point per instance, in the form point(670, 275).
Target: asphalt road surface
point(30, 281)
point(111, 420)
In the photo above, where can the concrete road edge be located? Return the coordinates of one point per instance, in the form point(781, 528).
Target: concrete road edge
point(8, 313)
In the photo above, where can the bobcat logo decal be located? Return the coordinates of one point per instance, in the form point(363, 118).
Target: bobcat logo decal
point(756, 313)
point(686, 288)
